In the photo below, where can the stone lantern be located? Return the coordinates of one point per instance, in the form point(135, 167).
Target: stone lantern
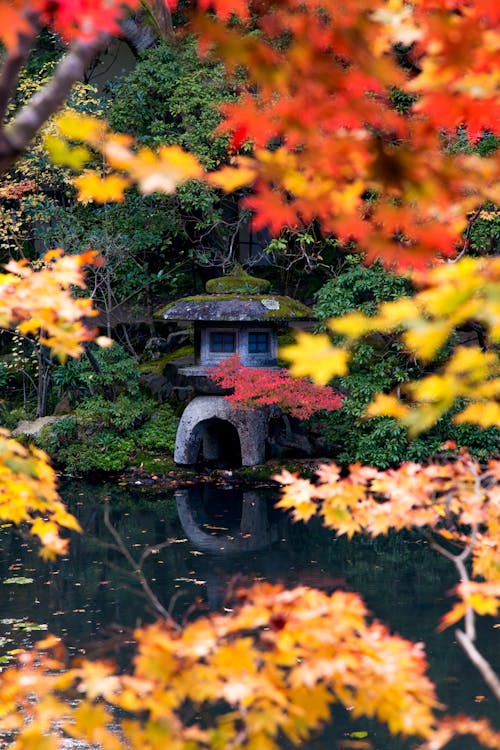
point(238, 315)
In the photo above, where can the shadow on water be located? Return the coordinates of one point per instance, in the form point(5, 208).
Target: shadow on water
point(220, 540)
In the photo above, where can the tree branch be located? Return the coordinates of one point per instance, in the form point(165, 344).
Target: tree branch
point(137, 569)
point(481, 664)
point(12, 63)
point(17, 135)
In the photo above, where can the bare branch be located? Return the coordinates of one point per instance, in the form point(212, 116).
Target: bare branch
point(459, 563)
point(481, 664)
point(466, 245)
point(137, 569)
point(17, 135)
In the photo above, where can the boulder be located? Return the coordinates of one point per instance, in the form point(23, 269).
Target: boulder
point(154, 348)
point(179, 394)
point(32, 428)
point(178, 339)
point(158, 385)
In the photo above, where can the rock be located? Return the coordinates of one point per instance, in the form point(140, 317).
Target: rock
point(27, 427)
point(179, 394)
point(178, 339)
point(171, 373)
point(63, 406)
point(286, 435)
point(158, 385)
point(154, 348)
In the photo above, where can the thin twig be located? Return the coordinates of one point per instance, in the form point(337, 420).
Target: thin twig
point(137, 568)
point(481, 664)
point(466, 244)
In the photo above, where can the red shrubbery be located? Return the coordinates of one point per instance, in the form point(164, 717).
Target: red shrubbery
point(264, 386)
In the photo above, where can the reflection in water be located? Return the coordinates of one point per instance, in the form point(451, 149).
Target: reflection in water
point(220, 539)
point(251, 528)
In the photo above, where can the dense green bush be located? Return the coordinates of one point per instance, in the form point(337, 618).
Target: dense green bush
point(78, 378)
point(106, 452)
point(102, 435)
point(159, 433)
point(121, 415)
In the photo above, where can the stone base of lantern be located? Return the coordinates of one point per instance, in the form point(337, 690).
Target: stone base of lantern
point(212, 430)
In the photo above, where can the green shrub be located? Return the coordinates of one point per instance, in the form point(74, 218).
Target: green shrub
point(159, 433)
point(119, 371)
point(121, 415)
point(106, 452)
point(53, 438)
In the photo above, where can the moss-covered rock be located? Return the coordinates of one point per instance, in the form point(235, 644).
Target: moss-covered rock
point(158, 365)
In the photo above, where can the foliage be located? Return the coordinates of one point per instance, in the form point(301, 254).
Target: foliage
point(35, 189)
point(162, 170)
point(28, 496)
point(455, 501)
point(39, 301)
point(261, 386)
point(273, 666)
point(159, 433)
point(359, 287)
point(351, 159)
point(103, 436)
point(316, 95)
point(379, 363)
point(453, 294)
point(104, 451)
point(122, 414)
point(171, 97)
point(117, 369)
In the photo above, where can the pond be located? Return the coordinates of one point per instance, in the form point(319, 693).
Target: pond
point(211, 540)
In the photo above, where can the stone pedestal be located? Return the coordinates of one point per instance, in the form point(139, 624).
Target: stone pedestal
point(212, 424)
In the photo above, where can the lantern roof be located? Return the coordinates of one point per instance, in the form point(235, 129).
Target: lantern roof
point(236, 297)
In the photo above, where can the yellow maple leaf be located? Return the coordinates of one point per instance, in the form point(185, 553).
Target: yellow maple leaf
point(164, 171)
point(315, 356)
point(427, 338)
point(232, 178)
point(385, 405)
point(92, 187)
point(354, 325)
point(484, 413)
point(61, 153)
point(79, 127)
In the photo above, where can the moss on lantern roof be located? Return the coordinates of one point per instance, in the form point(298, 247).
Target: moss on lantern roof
point(236, 308)
point(238, 281)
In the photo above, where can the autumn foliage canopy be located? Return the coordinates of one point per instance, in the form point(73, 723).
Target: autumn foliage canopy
point(316, 134)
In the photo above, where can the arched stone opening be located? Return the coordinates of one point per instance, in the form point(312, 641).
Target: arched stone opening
point(200, 429)
point(218, 443)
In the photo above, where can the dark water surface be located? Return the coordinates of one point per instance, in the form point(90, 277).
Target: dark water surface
point(220, 539)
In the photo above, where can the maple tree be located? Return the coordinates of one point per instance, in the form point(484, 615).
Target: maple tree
point(262, 386)
point(456, 502)
point(328, 145)
point(39, 302)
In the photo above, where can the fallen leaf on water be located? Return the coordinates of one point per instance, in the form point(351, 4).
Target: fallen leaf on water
point(20, 580)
